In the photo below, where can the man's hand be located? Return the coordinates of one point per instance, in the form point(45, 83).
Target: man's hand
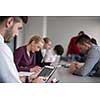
point(72, 67)
point(38, 80)
point(78, 64)
point(22, 78)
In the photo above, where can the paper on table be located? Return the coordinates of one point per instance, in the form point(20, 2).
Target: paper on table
point(81, 64)
point(65, 64)
point(26, 73)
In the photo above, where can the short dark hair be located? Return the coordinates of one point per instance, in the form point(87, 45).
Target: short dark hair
point(35, 38)
point(83, 38)
point(94, 41)
point(23, 18)
point(2, 18)
point(59, 49)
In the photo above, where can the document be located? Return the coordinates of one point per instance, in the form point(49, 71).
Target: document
point(26, 73)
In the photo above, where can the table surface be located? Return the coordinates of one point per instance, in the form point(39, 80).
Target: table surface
point(64, 76)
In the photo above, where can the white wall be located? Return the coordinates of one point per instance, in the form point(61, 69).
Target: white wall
point(61, 29)
point(20, 39)
point(34, 26)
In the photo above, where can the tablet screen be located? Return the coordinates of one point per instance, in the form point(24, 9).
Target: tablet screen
point(46, 72)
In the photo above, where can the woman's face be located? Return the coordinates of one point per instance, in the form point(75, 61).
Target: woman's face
point(48, 45)
point(36, 46)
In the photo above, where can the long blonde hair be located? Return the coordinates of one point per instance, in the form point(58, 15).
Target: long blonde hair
point(36, 38)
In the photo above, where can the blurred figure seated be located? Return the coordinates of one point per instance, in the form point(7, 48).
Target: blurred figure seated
point(40, 55)
point(54, 55)
point(73, 51)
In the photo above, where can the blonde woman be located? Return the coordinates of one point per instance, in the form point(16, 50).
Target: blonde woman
point(25, 57)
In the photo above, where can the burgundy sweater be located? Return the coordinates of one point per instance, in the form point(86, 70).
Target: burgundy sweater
point(73, 48)
point(22, 60)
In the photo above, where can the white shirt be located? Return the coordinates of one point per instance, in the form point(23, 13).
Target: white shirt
point(43, 52)
point(51, 56)
point(8, 71)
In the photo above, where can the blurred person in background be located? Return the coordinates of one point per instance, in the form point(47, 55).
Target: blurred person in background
point(73, 51)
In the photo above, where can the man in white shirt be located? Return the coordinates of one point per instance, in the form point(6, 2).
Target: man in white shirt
point(9, 28)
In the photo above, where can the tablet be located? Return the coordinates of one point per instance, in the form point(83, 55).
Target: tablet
point(47, 72)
